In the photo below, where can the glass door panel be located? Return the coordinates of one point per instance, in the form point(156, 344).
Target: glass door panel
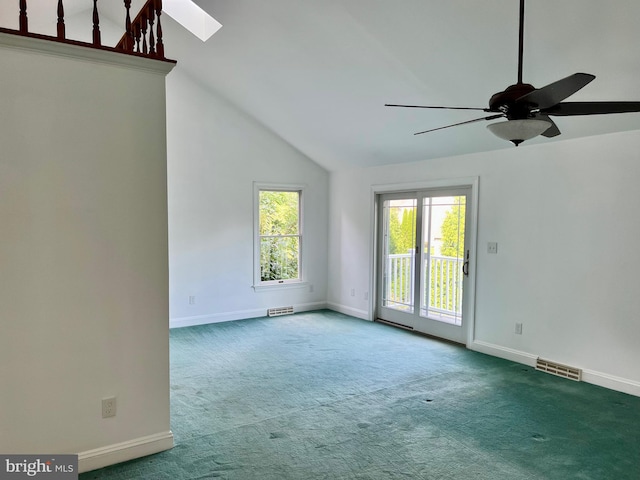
point(399, 249)
point(443, 258)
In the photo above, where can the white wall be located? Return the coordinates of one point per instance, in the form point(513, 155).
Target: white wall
point(215, 153)
point(83, 255)
point(564, 215)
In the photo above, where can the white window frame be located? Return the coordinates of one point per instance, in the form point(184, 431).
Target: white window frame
point(258, 284)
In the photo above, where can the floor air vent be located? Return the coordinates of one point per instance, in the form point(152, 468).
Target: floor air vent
point(394, 324)
point(564, 371)
point(276, 312)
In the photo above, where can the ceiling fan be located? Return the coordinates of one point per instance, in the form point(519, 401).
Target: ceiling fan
point(528, 109)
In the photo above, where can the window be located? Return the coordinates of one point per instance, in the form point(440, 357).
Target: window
point(279, 235)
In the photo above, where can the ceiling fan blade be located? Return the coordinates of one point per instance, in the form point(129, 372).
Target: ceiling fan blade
point(553, 130)
point(444, 108)
point(490, 117)
point(555, 92)
point(592, 108)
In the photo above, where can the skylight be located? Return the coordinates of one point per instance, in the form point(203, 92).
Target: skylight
point(192, 17)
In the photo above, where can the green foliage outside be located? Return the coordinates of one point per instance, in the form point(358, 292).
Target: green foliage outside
point(279, 235)
point(447, 275)
point(401, 239)
point(402, 232)
point(452, 231)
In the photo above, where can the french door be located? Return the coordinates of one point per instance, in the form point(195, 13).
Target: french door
point(424, 260)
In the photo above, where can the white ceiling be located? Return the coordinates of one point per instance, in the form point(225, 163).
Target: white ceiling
point(318, 72)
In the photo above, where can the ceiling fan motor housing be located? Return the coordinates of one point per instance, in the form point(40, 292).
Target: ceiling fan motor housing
point(505, 102)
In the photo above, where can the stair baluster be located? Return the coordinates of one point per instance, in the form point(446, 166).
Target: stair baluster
point(144, 24)
point(128, 43)
point(138, 30)
point(61, 30)
point(96, 24)
point(159, 43)
point(24, 22)
point(152, 40)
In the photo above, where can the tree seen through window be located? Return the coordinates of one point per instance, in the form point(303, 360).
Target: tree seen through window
point(280, 236)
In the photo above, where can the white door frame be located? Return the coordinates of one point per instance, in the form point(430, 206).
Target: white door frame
point(470, 291)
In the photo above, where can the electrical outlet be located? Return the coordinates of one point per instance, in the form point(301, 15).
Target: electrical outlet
point(353, 292)
point(108, 407)
point(365, 295)
point(492, 247)
point(192, 299)
point(518, 329)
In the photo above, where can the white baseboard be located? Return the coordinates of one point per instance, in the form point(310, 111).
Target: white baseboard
point(237, 315)
point(589, 376)
point(354, 312)
point(503, 352)
point(611, 382)
point(216, 318)
point(122, 452)
point(309, 307)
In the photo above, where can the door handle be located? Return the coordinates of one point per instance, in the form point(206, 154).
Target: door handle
point(465, 266)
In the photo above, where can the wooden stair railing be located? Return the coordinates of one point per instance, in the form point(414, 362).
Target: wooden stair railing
point(142, 37)
point(141, 29)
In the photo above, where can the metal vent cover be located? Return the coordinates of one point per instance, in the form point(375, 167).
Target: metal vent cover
point(572, 373)
point(276, 312)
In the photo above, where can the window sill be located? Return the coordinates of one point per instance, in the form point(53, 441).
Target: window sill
point(279, 286)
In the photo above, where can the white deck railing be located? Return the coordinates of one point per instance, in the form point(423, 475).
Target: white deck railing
point(443, 297)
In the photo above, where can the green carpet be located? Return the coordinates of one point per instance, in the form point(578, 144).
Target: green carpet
point(322, 395)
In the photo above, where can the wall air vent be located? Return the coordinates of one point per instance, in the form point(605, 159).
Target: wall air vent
point(558, 369)
point(276, 312)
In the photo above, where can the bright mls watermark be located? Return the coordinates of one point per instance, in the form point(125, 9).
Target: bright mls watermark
point(49, 467)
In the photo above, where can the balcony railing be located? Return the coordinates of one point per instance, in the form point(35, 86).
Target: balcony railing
point(442, 288)
point(141, 36)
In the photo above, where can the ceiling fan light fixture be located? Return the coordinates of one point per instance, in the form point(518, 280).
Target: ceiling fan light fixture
point(517, 131)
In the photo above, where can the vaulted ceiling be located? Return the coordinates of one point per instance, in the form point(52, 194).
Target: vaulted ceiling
point(318, 72)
